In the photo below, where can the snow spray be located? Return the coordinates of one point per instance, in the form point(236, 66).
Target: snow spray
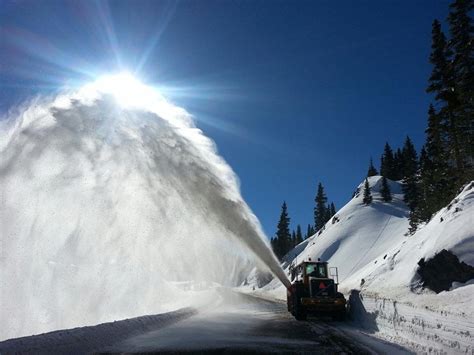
point(109, 198)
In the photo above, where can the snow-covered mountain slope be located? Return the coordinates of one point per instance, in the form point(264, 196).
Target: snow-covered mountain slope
point(452, 228)
point(376, 256)
point(359, 234)
point(108, 197)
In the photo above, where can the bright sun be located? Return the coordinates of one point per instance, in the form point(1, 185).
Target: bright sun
point(127, 89)
point(131, 93)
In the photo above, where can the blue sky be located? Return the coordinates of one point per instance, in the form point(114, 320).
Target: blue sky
point(292, 92)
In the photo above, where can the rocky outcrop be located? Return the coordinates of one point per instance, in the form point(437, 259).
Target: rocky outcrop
point(439, 272)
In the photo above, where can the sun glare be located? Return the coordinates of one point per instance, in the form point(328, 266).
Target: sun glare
point(127, 89)
point(131, 93)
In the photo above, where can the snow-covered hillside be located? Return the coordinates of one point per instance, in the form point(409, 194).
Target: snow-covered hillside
point(376, 256)
point(359, 234)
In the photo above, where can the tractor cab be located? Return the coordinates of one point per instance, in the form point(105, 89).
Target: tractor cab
point(314, 290)
point(315, 276)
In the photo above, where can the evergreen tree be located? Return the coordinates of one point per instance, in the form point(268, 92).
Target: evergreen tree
point(436, 180)
point(461, 45)
point(426, 185)
point(309, 231)
point(283, 236)
point(447, 162)
point(411, 183)
point(320, 208)
point(413, 221)
point(387, 167)
point(328, 213)
point(440, 81)
point(410, 172)
point(442, 84)
point(299, 235)
point(293, 240)
point(367, 195)
point(410, 159)
point(371, 171)
point(461, 113)
point(385, 190)
point(398, 164)
point(333, 209)
point(435, 141)
point(411, 193)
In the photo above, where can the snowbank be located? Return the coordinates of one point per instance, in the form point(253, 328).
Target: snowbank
point(87, 340)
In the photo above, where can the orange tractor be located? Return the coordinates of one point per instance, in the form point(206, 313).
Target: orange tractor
point(313, 291)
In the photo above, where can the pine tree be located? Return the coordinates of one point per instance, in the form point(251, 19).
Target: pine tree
point(398, 164)
point(461, 113)
point(448, 161)
point(410, 159)
point(367, 195)
point(371, 171)
point(293, 240)
point(320, 208)
point(410, 172)
point(299, 236)
point(413, 221)
point(442, 83)
point(437, 182)
point(309, 231)
point(461, 44)
point(283, 236)
point(426, 185)
point(328, 213)
point(411, 193)
point(411, 183)
point(333, 209)
point(385, 190)
point(387, 167)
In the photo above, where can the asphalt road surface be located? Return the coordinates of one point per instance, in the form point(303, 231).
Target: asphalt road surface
point(235, 323)
point(246, 324)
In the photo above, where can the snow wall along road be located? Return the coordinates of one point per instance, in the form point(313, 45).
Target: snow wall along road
point(107, 197)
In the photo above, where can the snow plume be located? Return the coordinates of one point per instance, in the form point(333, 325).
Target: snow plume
point(107, 204)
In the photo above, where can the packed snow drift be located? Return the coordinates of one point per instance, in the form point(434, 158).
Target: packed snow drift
point(378, 259)
point(110, 201)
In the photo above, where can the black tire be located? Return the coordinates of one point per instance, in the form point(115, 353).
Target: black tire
point(298, 311)
point(340, 316)
point(301, 316)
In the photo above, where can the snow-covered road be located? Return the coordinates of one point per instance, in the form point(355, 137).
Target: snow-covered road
point(235, 323)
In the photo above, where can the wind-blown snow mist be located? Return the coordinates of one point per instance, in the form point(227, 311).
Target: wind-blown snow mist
point(105, 200)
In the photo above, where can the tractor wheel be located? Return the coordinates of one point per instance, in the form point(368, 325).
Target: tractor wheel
point(340, 316)
point(301, 315)
point(298, 311)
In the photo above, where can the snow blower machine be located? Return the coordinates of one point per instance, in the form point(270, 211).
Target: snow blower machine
point(314, 292)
